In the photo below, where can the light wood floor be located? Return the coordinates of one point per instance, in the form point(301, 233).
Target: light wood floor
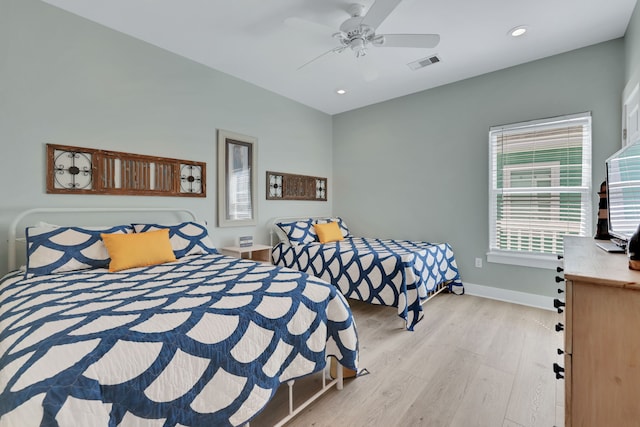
point(470, 362)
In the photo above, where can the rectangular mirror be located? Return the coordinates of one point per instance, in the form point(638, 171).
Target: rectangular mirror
point(236, 179)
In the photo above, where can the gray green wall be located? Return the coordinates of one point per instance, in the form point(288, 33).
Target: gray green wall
point(413, 167)
point(66, 80)
point(417, 166)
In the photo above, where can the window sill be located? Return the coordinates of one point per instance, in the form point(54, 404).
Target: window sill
point(524, 259)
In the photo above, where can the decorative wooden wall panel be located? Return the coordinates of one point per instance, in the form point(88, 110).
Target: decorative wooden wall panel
point(286, 186)
point(76, 170)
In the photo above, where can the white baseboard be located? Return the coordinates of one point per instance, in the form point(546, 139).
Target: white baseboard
point(507, 295)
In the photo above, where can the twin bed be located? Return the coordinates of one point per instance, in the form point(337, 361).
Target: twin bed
point(397, 273)
point(204, 339)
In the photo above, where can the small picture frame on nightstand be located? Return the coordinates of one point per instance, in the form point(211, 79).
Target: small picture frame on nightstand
point(245, 241)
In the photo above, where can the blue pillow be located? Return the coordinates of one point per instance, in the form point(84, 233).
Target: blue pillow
point(299, 232)
point(187, 238)
point(54, 249)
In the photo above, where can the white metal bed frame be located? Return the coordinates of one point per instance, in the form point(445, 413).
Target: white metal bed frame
point(13, 235)
point(12, 256)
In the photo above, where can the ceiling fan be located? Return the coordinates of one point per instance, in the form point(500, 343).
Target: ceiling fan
point(358, 32)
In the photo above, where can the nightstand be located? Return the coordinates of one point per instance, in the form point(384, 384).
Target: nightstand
point(256, 252)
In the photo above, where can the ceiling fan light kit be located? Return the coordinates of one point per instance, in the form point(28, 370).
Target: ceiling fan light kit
point(359, 31)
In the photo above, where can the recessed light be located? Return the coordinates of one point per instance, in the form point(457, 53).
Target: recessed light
point(341, 91)
point(517, 31)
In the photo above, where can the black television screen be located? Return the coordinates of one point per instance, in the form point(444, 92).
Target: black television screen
point(623, 191)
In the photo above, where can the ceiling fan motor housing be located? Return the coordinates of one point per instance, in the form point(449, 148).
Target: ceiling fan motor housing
point(352, 25)
point(355, 9)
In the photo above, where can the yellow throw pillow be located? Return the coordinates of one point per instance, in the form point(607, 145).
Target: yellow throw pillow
point(329, 232)
point(138, 249)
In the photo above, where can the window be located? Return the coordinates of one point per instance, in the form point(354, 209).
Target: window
point(539, 188)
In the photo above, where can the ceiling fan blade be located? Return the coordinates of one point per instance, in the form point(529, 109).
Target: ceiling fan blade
point(410, 40)
point(379, 11)
point(335, 49)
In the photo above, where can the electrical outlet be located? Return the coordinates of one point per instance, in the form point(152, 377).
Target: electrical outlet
point(479, 262)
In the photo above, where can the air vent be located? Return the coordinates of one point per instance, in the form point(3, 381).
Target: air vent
point(421, 63)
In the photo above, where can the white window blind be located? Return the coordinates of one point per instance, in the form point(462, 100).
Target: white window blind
point(539, 185)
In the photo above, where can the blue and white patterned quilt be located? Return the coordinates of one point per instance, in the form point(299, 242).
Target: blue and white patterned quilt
point(203, 341)
point(397, 273)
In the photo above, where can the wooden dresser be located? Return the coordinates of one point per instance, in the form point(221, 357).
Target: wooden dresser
point(602, 337)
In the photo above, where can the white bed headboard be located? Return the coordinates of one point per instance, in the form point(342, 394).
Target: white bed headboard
point(43, 212)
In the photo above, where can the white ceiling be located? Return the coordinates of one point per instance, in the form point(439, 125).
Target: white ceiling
point(265, 41)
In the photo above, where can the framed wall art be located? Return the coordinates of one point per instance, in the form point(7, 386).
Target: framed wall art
point(287, 186)
point(78, 170)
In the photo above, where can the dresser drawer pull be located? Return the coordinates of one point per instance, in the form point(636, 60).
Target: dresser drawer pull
point(559, 279)
point(560, 352)
point(559, 269)
point(558, 370)
point(559, 327)
point(557, 304)
point(560, 290)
